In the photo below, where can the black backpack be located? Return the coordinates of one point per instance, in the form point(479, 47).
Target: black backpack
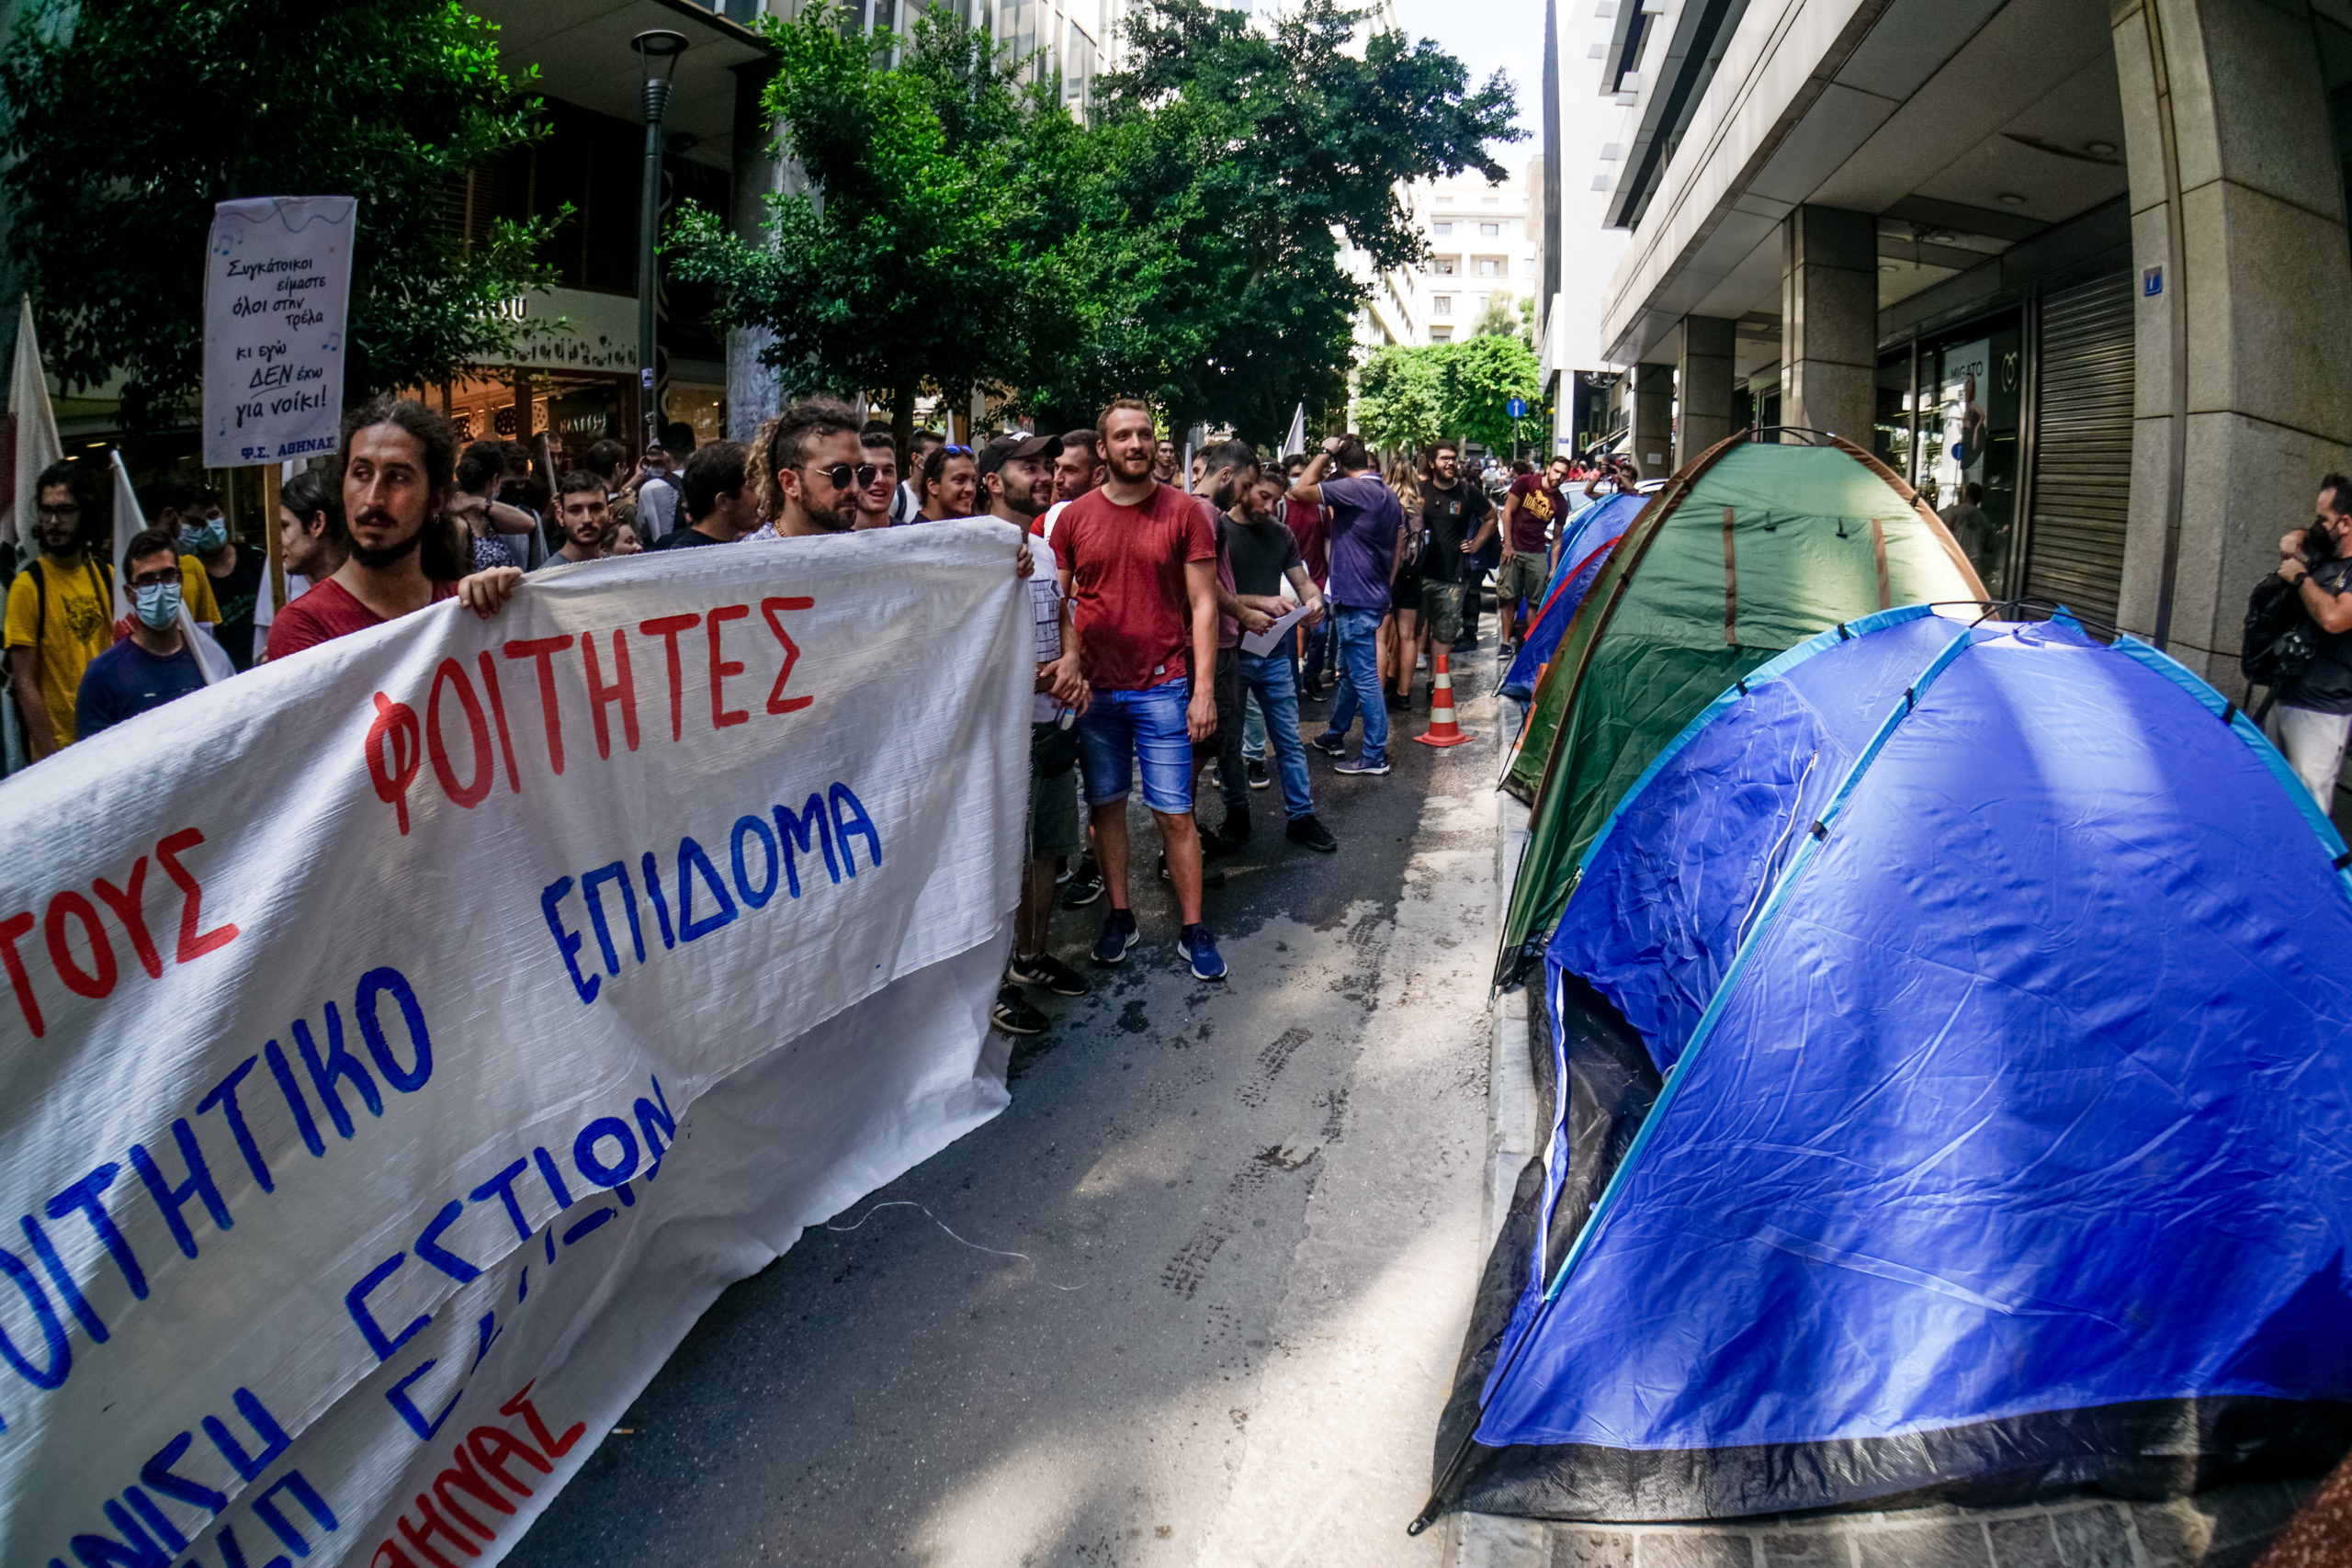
point(2280, 638)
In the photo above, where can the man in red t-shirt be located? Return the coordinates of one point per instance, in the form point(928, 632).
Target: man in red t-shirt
point(398, 463)
point(1139, 564)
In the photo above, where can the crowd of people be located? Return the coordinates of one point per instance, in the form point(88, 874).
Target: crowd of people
point(1181, 630)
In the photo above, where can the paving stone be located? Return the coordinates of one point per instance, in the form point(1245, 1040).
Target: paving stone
point(2092, 1538)
point(2025, 1542)
point(1696, 1548)
point(1490, 1540)
point(1572, 1547)
point(1811, 1548)
point(2172, 1535)
point(1956, 1545)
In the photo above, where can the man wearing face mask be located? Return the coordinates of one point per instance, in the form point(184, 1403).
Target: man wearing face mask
point(155, 663)
point(233, 575)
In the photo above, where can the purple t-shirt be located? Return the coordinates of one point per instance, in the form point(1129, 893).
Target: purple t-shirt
point(1365, 516)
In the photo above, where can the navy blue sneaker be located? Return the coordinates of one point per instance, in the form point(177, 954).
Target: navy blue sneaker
point(1330, 745)
point(1119, 934)
point(1198, 944)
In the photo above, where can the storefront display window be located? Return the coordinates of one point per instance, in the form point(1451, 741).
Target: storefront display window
point(1972, 402)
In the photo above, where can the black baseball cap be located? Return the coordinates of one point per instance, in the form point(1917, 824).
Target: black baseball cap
point(1028, 448)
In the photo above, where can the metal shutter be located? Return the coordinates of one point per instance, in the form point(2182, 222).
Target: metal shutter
point(2082, 464)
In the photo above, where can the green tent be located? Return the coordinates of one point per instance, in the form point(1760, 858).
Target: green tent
point(1751, 550)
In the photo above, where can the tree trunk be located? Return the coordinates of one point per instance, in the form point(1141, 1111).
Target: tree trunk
point(902, 425)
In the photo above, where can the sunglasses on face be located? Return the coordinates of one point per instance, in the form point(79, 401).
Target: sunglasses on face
point(840, 474)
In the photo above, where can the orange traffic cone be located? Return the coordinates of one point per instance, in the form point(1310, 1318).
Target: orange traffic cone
point(1442, 731)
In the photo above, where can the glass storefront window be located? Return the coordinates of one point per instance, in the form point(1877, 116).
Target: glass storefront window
point(1971, 400)
point(1891, 427)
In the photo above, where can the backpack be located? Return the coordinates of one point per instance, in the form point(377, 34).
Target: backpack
point(2280, 639)
point(39, 569)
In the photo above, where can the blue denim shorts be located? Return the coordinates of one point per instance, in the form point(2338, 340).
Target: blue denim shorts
point(1149, 723)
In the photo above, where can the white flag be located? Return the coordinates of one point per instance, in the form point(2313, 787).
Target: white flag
point(32, 430)
point(1296, 442)
point(129, 520)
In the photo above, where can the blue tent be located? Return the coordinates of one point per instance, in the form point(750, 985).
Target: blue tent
point(1952, 1060)
point(1585, 544)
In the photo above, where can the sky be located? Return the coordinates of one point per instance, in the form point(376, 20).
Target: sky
point(1490, 36)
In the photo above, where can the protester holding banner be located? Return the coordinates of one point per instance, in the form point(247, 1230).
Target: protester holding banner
point(1017, 476)
point(1141, 562)
point(60, 608)
point(155, 663)
point(400, 463)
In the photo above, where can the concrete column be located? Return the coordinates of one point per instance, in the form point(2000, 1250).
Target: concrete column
point(1830, 322)
point(2244, 290)
point(1651, 442)
point(1704, 385)
point(752, 390)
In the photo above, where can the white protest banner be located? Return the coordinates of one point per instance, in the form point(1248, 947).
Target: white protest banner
point(276, 290)
point(404, 1042)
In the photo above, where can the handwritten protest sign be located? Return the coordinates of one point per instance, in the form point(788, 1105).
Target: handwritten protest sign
point(402, 1043)
point(276, 290)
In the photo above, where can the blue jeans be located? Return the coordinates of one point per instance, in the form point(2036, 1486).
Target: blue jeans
point(1121, 726)
point(1253, 727)
point(1270, 678)
point(1359, 661)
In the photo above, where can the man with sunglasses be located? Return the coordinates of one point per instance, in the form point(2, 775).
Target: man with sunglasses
point(811, 468)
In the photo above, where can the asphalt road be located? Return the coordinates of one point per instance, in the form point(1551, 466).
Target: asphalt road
point(1246, 1216)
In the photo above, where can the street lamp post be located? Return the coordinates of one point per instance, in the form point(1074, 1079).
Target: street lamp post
point(657, 52)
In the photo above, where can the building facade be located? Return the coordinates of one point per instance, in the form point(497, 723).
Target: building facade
point(578, 384)
point(1483, 241)
point(2089, 257)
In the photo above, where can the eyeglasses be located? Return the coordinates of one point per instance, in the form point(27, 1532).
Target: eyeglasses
point(60, 512)
point(841, 474)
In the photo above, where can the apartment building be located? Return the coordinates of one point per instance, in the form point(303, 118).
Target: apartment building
point(1483, 240)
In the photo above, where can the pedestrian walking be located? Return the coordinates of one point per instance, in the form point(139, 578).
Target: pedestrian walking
point(876, 498)
point(1265, 556)
point(1140, 562)
point(1452, 508)
point(2315, 705)
point(583, 514)
point(1367, 529)
point(497, 533)
point(1017, 475)
point(232, 584)
point(1534, 505)
point(1400, 633)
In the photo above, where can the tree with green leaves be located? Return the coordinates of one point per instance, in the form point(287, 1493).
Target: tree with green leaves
point(1400, 399)
point(906, 266)
point(1482, 375)
point(1239, 152)
point(127, 120)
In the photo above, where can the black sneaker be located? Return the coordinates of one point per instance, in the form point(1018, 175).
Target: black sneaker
point(1013, 1014)
point(1360, 768)
point(1047, 970)
point(1119, 934)
point(1259, 778)
point(1330, 745)
point(1083, 889)
point(1307, 831)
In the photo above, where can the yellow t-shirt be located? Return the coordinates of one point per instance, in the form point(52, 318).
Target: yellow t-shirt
point(196, 593)
point(79, 626)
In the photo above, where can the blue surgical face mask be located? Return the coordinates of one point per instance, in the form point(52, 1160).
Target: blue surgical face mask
point(203, 538)
point(158, 605)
